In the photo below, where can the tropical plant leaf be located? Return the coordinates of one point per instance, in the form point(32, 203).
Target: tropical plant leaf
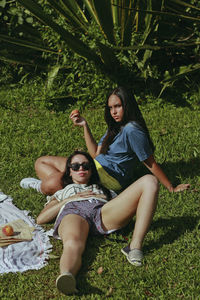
point(21, 60)
point(25, 43)
point(158, 46)
point(72, 41)
point(144, 27)
point(185, 4)
point(108, 56)
point(52, 75)
point(70, 15)
point(3, 3)
point(104, 14)
point(128, 26)
point(183, 70)
point(115, 12)
point(91, 9)
point(178, 14)
point(75, 9)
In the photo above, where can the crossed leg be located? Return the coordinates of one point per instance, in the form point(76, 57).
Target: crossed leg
point(50, 170)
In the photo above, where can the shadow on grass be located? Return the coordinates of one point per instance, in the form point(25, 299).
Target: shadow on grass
point(185, 169)
point(173, 228)
point(90, 253)
point(175, 170)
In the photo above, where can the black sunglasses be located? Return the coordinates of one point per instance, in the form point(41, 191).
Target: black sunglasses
point(76, 166)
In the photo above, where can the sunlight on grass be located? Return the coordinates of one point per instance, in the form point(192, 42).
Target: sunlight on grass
point(171, 248)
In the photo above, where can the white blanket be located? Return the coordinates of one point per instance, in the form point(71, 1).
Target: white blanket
point(22, 256)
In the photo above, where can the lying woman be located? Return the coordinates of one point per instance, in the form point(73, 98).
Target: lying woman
point(82, 208)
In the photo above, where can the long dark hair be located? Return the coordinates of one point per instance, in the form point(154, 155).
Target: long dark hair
point(94, 178)
point(131, 113)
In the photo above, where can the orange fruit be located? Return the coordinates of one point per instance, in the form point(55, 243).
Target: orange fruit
point(8, 230)
point(75, 111)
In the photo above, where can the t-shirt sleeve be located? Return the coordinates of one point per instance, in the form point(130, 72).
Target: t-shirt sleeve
point(101, 140)
point(57, 196)
point(138, 142)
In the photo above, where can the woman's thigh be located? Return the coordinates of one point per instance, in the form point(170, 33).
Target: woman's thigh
point(48, 165)
point(117, 212)
point(73, 227)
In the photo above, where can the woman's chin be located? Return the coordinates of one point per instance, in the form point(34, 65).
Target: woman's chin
point(82, 181)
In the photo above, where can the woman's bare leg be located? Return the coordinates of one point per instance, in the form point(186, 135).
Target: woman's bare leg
point(73, 231)
point(50, 169)
point(139, 198)
point(47, 165)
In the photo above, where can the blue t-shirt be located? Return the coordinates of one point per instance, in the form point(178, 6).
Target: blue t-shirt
point(129, 147)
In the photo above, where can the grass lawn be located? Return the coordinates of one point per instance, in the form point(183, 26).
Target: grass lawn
point(171, 248)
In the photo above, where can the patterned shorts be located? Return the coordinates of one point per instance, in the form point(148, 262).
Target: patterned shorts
point(89, 210)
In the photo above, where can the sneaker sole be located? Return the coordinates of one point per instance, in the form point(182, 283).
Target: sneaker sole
point(125, 252)
point(122, 251)
point(66, 284)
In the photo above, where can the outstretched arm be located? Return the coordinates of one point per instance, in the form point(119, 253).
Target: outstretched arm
point(91, 144)
point(50, 211)
point(152, 165)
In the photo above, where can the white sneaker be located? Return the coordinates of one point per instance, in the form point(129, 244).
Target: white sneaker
point(33, 183)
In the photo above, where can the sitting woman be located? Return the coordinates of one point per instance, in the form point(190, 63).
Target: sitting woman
point(82, 207)
point(118, 155)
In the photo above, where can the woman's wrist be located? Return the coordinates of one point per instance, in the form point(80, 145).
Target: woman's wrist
point(85, 125)
point(170, 188)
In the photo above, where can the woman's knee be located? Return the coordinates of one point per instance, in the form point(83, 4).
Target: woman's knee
point(74, 244)
point(50, 164)
point(39, 161)
point(52, 184)
point(151, 183)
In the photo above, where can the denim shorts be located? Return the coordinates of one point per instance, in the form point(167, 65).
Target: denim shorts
point(88, 210)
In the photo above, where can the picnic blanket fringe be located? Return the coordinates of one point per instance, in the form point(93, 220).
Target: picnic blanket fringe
point(27, 255)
